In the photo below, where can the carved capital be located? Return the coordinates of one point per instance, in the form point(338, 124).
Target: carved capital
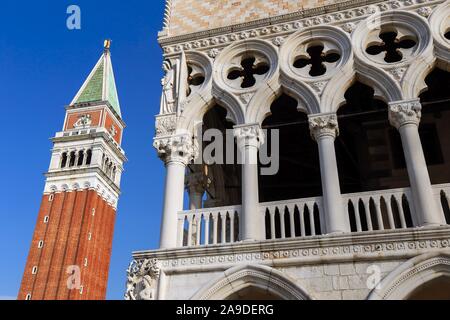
point(405, 112)
point(249, 135)
point(323, 125)
point(166, 125)
point(179, 148)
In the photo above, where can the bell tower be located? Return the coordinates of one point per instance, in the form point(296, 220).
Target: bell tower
point(71, 247)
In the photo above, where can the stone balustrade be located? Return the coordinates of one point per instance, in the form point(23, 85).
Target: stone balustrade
point(367, 211)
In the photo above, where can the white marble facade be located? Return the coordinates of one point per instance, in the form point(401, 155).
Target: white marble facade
point(339, 264)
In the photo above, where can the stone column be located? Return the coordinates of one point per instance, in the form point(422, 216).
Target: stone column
point(195, 185)
point(249, 139)
point(405, 116)
point(176, 152)
point(324, 130)
point(85, 157)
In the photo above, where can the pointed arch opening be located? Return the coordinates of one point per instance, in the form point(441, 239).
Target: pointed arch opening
point(434, 129)
point(298, 175)
point(252, 282)
point(425, 277)
point(368, 149)
point(223, 176)
point(436, 289)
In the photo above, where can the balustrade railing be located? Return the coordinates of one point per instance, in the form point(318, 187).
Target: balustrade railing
point(442, 195)
point(292, 218)
point(208, 226)
point(380, 210)
point(367, 211)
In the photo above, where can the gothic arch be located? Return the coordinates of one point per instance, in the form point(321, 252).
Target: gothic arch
point(244, 276)
point(411, 275)
point(199, 105)
point(413, 83)
point(259, 107)
point(334, 95)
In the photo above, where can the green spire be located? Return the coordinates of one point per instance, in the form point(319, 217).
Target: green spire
point(100, 84)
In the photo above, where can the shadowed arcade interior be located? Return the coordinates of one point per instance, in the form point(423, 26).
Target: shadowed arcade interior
point(436, 289)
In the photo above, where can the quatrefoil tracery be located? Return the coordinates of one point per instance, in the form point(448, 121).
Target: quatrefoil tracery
point(195, 78)
point(249, 70)
point(317, 59)
point(392, 46)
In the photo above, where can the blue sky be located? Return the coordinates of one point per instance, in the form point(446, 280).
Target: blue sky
point(42, 66)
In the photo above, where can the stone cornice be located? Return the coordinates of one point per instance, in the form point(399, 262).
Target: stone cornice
point(283, 25)
point(349, 247)
point(83, 171)
point(82, 182)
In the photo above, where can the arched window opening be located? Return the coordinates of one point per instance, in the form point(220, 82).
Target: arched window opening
point(113, 177)
point(64, 160)
point(88, 157)
point(105, 167)
point(80, 158)
point(224, 177)
point(73, 156)
point(299, 171)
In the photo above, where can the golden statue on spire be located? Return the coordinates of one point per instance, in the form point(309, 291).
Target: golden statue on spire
point(107, 44)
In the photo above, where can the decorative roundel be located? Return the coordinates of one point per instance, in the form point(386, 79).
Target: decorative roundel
point(199, 72)
point(393, 37)
point(246, 65)
point(315, 53)
point(440, 28)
